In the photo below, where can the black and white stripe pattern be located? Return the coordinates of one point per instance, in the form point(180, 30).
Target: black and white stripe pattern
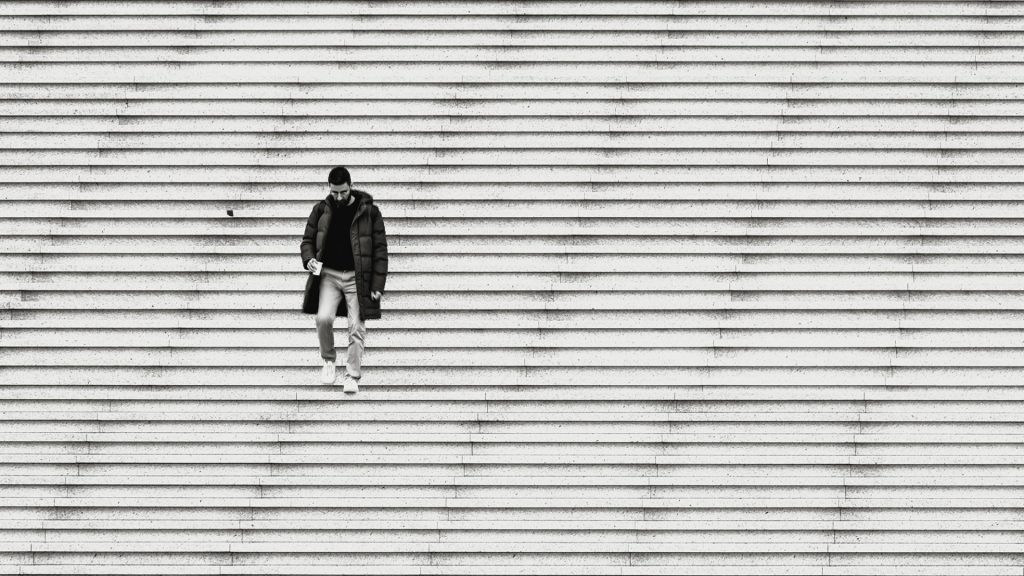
point(675, 288)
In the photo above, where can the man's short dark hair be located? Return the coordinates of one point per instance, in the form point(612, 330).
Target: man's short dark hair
point(339, 175)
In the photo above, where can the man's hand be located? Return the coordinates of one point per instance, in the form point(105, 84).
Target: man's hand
point(375, 295)
point(311, 264)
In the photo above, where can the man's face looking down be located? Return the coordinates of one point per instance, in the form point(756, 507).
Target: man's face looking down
point(341, 193)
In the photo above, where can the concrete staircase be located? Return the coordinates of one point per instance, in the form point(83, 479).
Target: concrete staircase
point(685, 288)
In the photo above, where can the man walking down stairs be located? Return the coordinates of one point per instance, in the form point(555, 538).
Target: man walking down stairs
point(345, 249)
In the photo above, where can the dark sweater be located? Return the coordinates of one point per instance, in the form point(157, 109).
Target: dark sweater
point(338, 246)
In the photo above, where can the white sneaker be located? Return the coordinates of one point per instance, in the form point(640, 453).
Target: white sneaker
point(327, 375)
point(351, 384)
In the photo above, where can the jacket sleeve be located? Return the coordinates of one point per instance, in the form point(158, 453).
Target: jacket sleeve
point(380, 251)
point(307, 249)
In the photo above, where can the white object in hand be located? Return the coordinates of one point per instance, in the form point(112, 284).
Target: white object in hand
point(317, 266)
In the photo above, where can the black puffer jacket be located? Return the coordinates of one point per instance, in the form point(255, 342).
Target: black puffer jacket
point(369, 251)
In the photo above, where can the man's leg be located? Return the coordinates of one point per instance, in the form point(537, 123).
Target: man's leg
point(356, 326)
point(330, 296)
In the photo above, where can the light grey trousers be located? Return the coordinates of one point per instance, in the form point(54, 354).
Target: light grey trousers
point(335, 285)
